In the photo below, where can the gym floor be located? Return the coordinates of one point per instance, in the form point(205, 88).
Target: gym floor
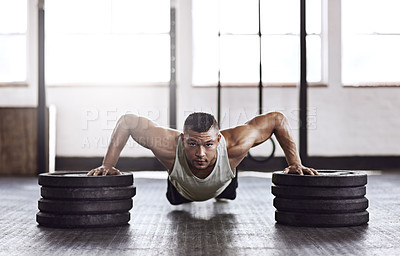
point(245, 226)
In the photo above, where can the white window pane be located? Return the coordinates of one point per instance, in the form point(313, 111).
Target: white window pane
point(205, 60)
point(280, 17)
point(13, 16)
point(280, 54)
point(239, 59)
point(368, 16)
point(354, 16)
point(370, 59)
point(280, 59)
point(313, 16)
point(386, 16)
point(239, 16)
point(205, 17)
point(141, 16)
point(12, 58)
point(78, 16)
point(313, 58)
point(97, 41)
point(107, 59)
point(205, 42)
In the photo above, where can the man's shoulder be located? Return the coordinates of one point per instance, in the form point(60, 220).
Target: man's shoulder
point(239, 139)
point(236, 133)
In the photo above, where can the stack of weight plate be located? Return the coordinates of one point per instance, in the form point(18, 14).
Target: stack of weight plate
point(331, 199)
point(75, 200)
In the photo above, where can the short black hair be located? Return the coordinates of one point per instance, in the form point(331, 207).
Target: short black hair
point(200, 122)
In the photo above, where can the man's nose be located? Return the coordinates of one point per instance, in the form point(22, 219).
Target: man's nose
point(200, 151)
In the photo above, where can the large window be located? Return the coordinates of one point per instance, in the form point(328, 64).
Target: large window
point(13, 41)
point(231, 38)
point(370, 42)
point(118, 42)
point(107, 42)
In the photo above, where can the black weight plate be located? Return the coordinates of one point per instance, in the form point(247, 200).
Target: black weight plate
point(321, 219)
point(80, 179)
point(96, 193)
point(321, 206)
point(82, 221)
point(331, 178)
point(84, 207)
point(318, 192)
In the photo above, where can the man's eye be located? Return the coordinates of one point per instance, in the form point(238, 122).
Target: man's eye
point(192, 144)
point(209, 144)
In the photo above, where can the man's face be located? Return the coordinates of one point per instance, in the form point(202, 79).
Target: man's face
point(201, 147)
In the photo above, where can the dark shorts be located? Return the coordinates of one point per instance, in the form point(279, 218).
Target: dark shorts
point(175, 198)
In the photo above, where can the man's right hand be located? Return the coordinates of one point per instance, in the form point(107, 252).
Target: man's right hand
point(104, 170)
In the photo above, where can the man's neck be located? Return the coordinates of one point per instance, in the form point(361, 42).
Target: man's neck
point(203, 173)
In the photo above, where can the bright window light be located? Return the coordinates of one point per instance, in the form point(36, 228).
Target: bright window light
point(239, 59)
point(226, 41)
point(13, 41)
point(370, 42)
point(239, 16)
point(118, 42)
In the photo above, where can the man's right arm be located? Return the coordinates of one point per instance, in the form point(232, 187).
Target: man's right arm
point(118, 140)
point(146, 133)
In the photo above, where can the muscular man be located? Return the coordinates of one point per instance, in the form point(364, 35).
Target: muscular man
point(202, 160)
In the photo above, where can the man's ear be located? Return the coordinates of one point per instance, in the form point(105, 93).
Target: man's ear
point(219, 137)
point(182, 137)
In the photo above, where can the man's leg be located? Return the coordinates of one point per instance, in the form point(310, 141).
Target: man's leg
point(230, 191)
point(173, 195)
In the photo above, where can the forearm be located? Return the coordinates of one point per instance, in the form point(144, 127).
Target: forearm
point(118, 140)
point(283, 134)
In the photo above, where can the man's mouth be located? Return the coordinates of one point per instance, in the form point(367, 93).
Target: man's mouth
point(200, 161)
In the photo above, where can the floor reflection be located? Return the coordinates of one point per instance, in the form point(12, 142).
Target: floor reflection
point(198, 229)
point(299, 238)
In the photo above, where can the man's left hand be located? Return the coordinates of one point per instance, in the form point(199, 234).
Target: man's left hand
point(299, 169)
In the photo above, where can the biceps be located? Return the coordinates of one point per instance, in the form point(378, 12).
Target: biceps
point(156, 138)
point(144, 131)
point(150, 137)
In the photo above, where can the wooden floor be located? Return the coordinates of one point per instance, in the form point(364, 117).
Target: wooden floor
point(245, 226)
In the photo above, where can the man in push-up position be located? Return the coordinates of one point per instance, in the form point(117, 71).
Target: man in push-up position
point(202, 160)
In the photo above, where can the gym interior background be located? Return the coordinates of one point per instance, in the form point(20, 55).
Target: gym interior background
point(69, 69)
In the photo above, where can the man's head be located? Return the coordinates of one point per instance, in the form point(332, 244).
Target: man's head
point(200, 122)
point(200, 139)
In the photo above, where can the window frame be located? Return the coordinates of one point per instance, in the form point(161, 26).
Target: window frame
point(324, 62)
point(331, 51)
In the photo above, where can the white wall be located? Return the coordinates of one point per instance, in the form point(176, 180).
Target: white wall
point(343, 121)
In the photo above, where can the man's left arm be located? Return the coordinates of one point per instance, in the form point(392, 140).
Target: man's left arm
point(277, 123)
